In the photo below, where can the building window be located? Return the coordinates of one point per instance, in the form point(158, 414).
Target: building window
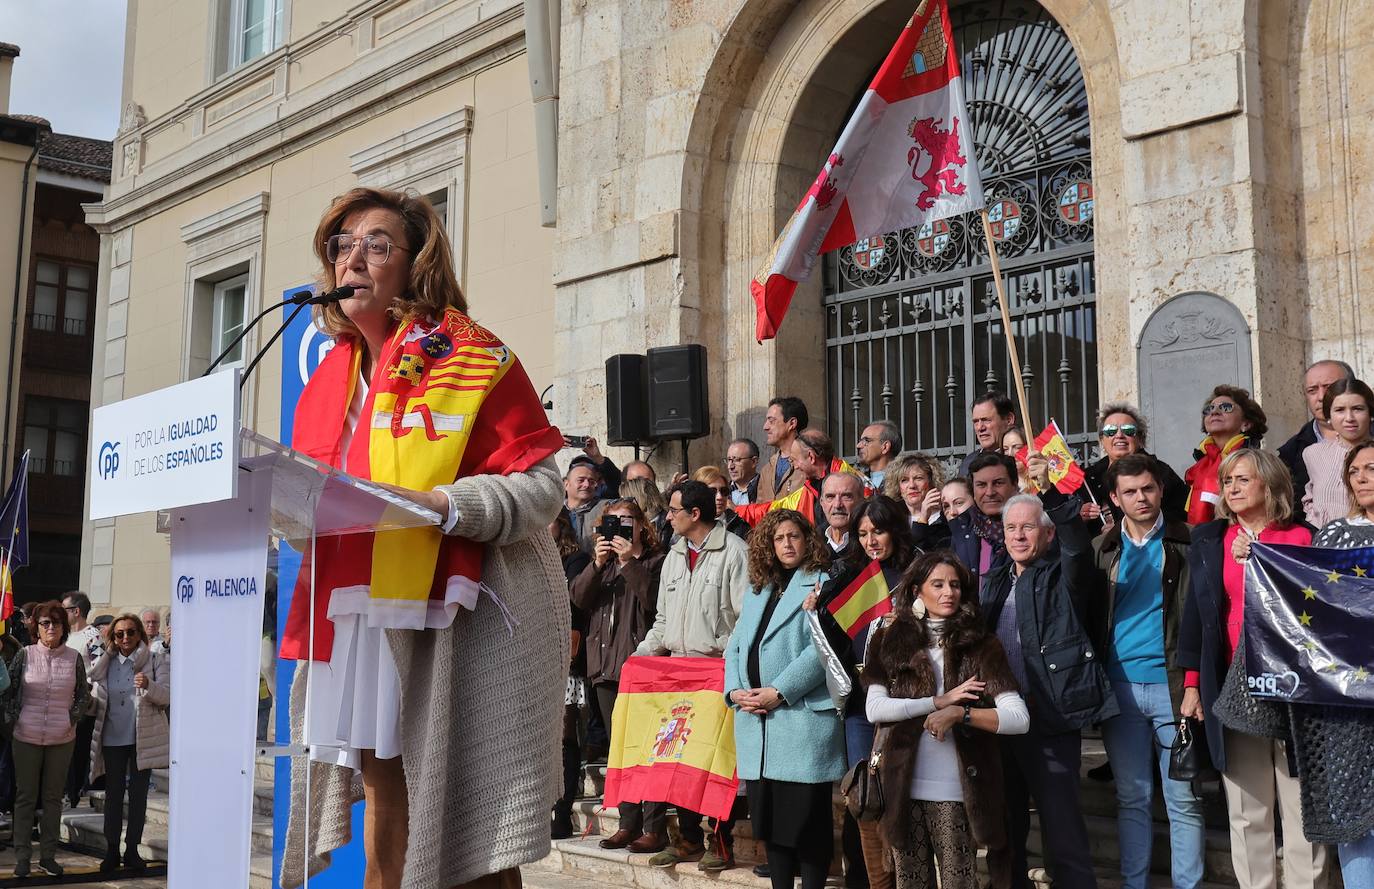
point(227, 319)
point(247, 29)
point(61, 298)
point(439, 200)
point(55, 435)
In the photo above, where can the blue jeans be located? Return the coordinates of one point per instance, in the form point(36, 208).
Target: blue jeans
point(1137, 743)
point(858, 738)
point(1357, 862)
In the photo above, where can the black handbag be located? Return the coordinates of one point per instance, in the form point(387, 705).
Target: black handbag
point(862, 787)
point(1188, 757)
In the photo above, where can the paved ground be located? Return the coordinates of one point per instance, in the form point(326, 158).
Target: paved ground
point(75, 863)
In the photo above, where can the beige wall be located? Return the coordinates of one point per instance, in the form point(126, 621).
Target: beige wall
point(298, 147)
point(14, 203)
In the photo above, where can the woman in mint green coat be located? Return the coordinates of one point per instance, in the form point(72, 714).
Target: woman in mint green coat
point(789, 738)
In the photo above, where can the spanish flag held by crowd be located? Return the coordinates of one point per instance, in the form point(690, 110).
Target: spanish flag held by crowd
point(673, 736)
point(863, 601)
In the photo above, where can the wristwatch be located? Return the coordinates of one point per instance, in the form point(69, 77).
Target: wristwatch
point(968, 714)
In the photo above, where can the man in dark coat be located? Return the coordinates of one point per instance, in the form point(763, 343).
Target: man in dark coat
point(1318, 378)
point(1036, 606)
point(975, 535)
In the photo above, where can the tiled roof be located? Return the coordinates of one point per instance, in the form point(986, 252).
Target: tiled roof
point(76, 156)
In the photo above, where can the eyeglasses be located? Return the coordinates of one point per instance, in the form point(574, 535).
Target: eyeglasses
point(71, 609)
point(1127, 429)
point(376, 249)
point(738, 459)
point(47, 624)
point(125, 634)
point(721, 492)
point(674, 510)
point(1225, 407)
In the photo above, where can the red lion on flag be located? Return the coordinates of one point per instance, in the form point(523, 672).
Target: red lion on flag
point(942, 147)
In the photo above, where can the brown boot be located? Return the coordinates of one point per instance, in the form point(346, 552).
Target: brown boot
point(620, 839)
point(650, 842)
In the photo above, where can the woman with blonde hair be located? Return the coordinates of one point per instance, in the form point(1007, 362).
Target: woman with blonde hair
point(416, 396)
point(1256, 505)
point(132, 688)
point(714, 478)
point(651, 501)
point(914, 480)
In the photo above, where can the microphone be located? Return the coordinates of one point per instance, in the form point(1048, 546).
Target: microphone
point(304, 298)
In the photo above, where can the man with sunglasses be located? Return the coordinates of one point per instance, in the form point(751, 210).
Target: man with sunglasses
point(1143, 564)
point(1122, 431)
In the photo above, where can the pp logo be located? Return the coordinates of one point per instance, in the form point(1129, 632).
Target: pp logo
point(107, 464)
point(1273, 685)
point(186, 588)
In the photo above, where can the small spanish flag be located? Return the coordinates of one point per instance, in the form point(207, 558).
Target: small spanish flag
point(865, 599)
point(673, 736)
point(1065, 473)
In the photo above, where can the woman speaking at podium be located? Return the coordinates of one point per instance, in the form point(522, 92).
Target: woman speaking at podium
point(430, 645)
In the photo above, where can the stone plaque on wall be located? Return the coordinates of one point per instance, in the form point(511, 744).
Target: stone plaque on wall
point(1192, 343)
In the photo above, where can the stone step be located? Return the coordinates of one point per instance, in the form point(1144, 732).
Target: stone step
point(84, 829)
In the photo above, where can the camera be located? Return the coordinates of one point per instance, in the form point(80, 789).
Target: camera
point(615, 526)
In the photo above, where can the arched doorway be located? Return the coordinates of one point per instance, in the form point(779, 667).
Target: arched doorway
point(912, 328)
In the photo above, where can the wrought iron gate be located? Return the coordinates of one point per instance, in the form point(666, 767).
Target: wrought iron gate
point(912, 324)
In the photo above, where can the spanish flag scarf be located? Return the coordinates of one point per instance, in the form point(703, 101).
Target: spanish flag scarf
point(444, 403)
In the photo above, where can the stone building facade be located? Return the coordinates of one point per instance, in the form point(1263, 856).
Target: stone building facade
point(1228, 144)
point(1224, 145)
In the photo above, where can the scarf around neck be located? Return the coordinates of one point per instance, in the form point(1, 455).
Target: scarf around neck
point(988, 529)
point(446, 401)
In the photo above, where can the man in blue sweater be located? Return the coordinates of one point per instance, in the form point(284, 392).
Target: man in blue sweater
point(1135, 624)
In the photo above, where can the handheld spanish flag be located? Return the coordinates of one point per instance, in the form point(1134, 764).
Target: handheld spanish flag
point(1065, 473)
point(864, 600)
point(673, 736)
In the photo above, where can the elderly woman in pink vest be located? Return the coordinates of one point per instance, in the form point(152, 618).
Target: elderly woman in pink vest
point(46, 697)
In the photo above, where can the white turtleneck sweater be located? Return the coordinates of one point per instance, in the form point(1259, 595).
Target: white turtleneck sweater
point(936, 776)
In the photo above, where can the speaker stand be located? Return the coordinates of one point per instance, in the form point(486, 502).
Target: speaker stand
point(684, 456)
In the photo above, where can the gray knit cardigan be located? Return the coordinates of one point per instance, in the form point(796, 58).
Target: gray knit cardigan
point(481, 709)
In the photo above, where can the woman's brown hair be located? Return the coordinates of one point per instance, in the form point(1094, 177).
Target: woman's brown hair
point(563, 535)
point(1249, 408)
point(764, 567)
point(648, 534)
point(1350, 458)
point(433, 287)
point(110, 644)
point(965, 627)
point(52, 609)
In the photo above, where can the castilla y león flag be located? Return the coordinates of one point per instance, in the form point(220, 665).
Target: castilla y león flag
point(905, 158)
point(672, 736)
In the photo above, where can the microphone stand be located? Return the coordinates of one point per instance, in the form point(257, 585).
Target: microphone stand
point(302, 300)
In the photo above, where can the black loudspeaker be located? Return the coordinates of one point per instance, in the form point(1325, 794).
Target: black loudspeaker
point(627, 400)
point(677, 392)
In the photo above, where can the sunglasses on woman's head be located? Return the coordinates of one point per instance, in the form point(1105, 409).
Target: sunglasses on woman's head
point(1127, 429)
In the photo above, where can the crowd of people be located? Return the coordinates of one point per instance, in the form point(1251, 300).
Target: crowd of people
point(83, 705)
point(1021, 618)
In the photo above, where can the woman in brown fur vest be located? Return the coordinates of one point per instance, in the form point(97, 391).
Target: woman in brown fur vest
point(941, 769)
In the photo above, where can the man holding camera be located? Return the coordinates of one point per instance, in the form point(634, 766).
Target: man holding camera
point(705, 576)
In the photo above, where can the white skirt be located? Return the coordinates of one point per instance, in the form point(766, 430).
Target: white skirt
point(354, 700)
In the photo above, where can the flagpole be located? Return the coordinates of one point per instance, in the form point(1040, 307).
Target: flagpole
point(1006, 323)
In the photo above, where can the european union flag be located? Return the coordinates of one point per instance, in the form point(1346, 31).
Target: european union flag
point(1309, 624)
point(14, 517)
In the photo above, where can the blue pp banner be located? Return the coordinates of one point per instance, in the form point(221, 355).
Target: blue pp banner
point(303, 347)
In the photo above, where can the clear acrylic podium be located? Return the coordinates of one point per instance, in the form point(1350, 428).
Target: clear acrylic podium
point(221, 553)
